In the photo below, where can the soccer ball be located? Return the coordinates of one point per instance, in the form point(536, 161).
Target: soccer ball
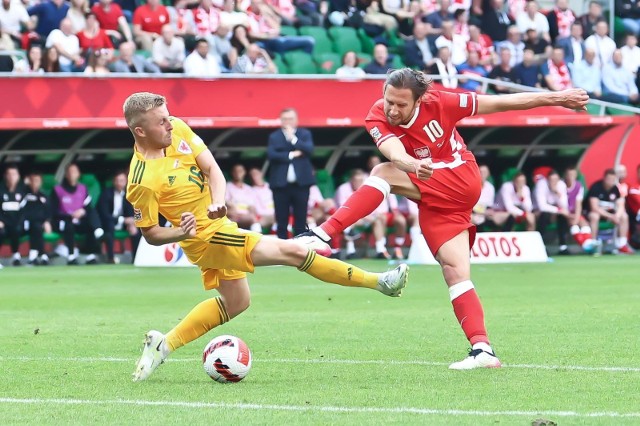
point(227, 359)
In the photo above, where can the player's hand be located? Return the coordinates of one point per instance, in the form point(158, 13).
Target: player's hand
point(216, 211)
point(424, 169)
point(574, 99)
point(188, 224)
point(78, 214)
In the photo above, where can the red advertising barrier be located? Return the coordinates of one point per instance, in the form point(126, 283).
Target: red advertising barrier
point(77, 102)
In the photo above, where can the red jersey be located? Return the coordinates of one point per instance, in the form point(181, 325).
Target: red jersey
point(108, 20)
point(633, 199)
point(431, 133)
point(149, 20)
point(100, 41)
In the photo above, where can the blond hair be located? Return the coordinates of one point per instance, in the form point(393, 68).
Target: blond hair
point(139, 103)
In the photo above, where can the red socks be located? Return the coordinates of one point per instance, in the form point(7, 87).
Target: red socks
point(468, 310)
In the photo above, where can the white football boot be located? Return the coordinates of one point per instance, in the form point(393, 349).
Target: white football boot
point(477, 358)
point(154, 352)
point(313, 242)
point(392, 282)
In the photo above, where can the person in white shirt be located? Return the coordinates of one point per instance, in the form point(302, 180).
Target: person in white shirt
point(349, 66)
point(67, 45)
point(455, 42)
point(241, 200)
point(532, 18)
point(631, 53)
point(551, 204)
point(255, 60)
point(265, 210)
point(514, 204)
point(200, 63)
point(601, 43)
point(168, 51)
point(443, 67)
point(483, 209)
point(13, 15)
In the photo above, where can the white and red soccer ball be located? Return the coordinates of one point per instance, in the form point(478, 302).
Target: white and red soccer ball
point(227, 359)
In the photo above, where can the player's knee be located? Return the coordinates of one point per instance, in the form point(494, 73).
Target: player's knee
point(382, 170)
point(237, 305)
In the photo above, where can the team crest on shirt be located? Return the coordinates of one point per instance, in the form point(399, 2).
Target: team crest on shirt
point(171, 180)
point(375, 134)
point(423, 152)
point(184, 147)
point(137, 215)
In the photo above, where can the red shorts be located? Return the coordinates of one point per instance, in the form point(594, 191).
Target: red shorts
point(448, 198)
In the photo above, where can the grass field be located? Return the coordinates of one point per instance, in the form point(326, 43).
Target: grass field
point(567, 332)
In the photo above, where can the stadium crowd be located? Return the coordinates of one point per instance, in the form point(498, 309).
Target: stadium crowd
point(513, 42)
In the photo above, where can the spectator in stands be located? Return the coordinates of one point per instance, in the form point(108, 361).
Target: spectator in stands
point(540, 47)
point(222, 48)
point(495, 21)
point(168, 51)
point(471, 67)
point(605, 203)
point(148, 20)
point(410, 211)
point(633, 209)
point(381, 61)
point(579, 227)
point(631, 54)
point(116, 214)
point(130, 62)
point(265, 207)
point(11, 195)
point(36, 216)
point(77, 15)
point(587, 75)
point(98, 62)
point(417, 49)
point(550, 204)
point(350, 66)
point(48, 15)
point(312, 12)
point(601, 43)
point(239, 39)
point(207, 20)
point(532, 18)
point(283, 11)
point(629, 11)
point(68, 47)
point(319, 209)
point(73, 213)
point(6, 62)
point(590, 19)
point(443, 67)
point(201, 63)
point(404, 11)
point(573, 45)
point(461, 23)
point(34, 62)
point(93, 38)
point(291, 174)
point(183, 22)
point(503, 72)
point(457, 44)
point(483, 210)
point(348, 13)
point(255, 61)
point(515, 45)
point(618, 83)
point(112, 21)
point(13, 18)
point(555, 71)
point(51, 61)
point(437, 18)
point(514, 204)
point(230, 17)
point(265, 30)
point(560, 18)
point(241, 200)
point(6, 43)
point(427, 7)
point(621, 176)
point(527, 72)
point(482, 44)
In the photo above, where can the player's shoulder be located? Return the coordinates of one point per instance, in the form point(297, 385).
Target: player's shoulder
point(179, 125)
point(376, 112)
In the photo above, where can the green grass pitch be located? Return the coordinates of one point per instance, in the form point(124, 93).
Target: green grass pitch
point(567, 332)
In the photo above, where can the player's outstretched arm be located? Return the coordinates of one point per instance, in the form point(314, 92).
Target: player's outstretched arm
point(157, 235)
point(572, 99)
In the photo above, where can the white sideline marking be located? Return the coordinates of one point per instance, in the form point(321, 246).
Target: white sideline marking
point(328, 361)
point(314, 408)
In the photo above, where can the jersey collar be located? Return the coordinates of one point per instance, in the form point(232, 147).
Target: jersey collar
point(413, 119)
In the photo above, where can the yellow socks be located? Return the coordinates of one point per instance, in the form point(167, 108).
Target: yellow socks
point(205, 316)
point(337, 272)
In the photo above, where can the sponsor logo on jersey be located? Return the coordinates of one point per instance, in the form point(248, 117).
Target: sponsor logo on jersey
point(171, 180)
point(423, 152)
point(184, 147)
point(375, 134)
point(137, 215)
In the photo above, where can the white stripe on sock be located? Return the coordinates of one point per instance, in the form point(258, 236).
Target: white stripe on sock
point(459, 289)
point(379, 184)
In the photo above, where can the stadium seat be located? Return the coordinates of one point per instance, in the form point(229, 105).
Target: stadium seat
point(396, 44)
point(325, 183)
point(286, 30)
point(48, 182)
point(47, 158)
point(363, 59)
point(300, 62)
point(327, 62)
point(367, 42)
point(344, 40)
point(283, 68)
point(93, 187)
point(144, 53)
point(396, 62)
point(507, 175)
point(323, 43)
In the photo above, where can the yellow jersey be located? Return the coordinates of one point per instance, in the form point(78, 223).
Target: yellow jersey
point(173, 185)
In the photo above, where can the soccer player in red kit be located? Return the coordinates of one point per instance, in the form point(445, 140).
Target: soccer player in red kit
point(414, 127)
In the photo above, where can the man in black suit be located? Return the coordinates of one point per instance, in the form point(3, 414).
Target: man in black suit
point(291, 172)
point(573, 45)
point(116, 213)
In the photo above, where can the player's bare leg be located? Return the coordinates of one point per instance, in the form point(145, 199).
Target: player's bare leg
point(234, 299)
point(453, 257)
point(271, 251)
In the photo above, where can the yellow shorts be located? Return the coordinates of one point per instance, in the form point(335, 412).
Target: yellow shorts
point(226, 256)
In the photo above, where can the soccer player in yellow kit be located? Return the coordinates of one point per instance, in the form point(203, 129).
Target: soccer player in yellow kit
point(173, 173)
